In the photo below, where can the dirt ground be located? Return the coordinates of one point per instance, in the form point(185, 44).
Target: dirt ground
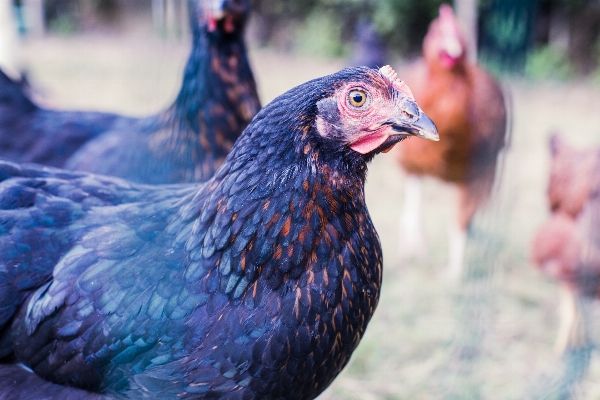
point(489, 338)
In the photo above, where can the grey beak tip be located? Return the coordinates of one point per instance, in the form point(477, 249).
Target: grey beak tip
point(430, 135)
point(426, 128)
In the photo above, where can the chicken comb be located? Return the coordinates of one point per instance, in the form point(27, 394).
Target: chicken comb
point(446, 12)
point(399, 85)
point(448, 20)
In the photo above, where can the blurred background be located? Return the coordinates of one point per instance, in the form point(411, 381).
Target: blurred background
point(491, 337)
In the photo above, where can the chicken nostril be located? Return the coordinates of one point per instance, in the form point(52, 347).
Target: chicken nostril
point(408, 115)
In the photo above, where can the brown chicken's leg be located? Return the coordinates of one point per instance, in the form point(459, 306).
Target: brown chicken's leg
point(458, 232)
point(573, 313)
point(470, 198)
point(457, 241)
point(412, 238)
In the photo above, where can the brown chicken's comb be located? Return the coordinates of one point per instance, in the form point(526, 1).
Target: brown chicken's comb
point(399, 85)
point(446, 12)
point(448, 21)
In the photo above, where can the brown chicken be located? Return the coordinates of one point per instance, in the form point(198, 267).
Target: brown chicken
point(468, 109)
point(567, 247)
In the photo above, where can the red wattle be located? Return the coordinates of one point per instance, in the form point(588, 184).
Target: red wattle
point(368, 143)
point(212, 24)
point(447, 61)
point(229, 25)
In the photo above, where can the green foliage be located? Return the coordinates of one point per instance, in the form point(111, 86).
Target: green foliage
point(505, 29)
point(63, 25)
point(548, 63)
point(510, 31)
point(320, 35)
point(327, 27)
point(403, 23)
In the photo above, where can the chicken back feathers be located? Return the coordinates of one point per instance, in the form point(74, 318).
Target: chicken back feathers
point(258, 283)
point(567, 247)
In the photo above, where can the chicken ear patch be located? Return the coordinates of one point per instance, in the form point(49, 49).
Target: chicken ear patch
point(367, 144)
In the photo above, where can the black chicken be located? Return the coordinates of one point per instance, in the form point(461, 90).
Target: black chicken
point(29, 133)
point(258, 283)
point(185, 143)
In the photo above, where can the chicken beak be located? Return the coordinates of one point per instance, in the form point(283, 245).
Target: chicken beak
point(422, 127)
point(452, 47)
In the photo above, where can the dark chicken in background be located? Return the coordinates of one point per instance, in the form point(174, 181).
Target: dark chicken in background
point(567, 247)
point(258, 283)
point(468, 108)
point(185, 143)
point(29, 133)
point(188, 141)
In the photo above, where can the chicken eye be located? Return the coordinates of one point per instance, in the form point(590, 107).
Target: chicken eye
point(357, 97)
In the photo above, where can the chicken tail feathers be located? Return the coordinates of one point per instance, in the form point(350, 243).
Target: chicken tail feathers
point(13, 95)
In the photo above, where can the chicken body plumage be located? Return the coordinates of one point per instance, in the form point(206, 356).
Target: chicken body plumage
point(568, 246)
point(258, 283)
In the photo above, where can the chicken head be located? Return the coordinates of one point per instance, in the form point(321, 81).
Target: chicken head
point(444, 44)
